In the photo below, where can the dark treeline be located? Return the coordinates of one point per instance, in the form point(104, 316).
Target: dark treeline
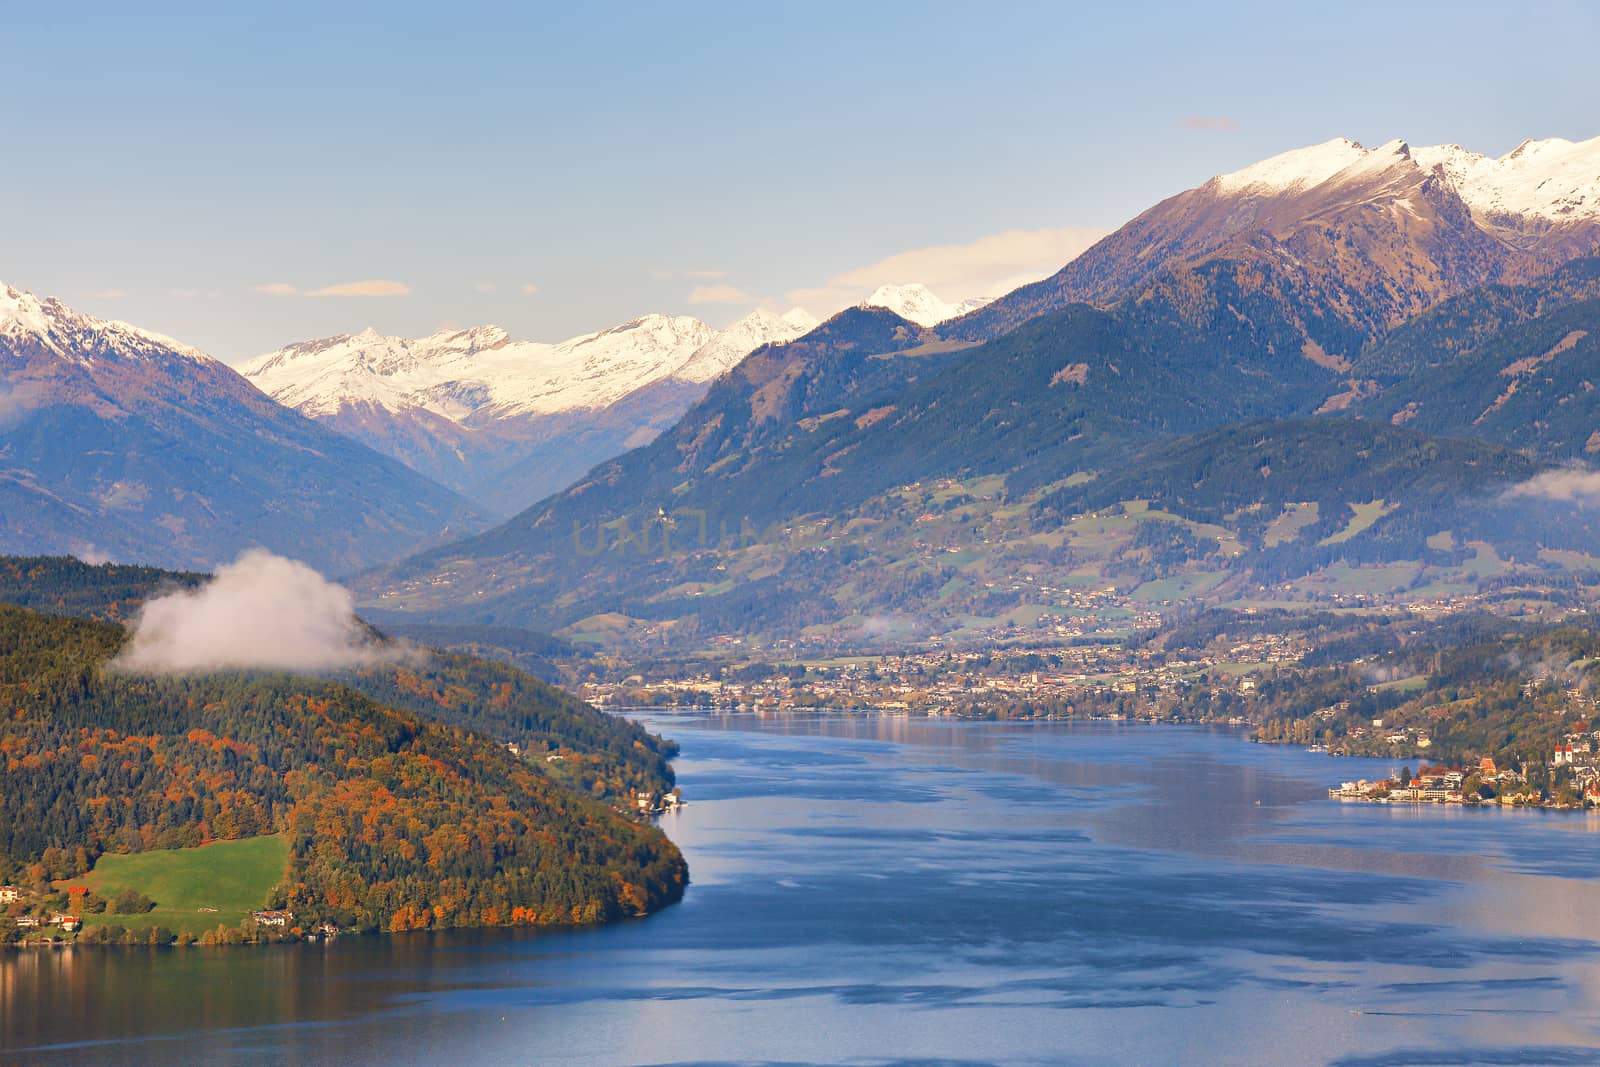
point(62, 585)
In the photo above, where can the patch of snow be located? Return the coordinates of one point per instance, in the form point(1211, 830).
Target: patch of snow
point(917, 303)
point(1298, 169)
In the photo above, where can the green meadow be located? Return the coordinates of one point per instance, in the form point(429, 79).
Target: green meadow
point(195, 889)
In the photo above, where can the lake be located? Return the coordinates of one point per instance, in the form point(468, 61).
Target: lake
point(880, 890)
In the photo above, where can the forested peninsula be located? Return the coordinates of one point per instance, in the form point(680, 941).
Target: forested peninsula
point(437, 791)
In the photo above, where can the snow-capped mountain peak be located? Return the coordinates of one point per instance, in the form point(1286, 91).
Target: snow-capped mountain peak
point(509, 420)
point(71, 334)
point(917, 303)
point(1552, 180)
point(800, 319)
point(724, 351)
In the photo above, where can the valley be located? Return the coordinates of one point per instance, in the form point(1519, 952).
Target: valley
point(858, 534)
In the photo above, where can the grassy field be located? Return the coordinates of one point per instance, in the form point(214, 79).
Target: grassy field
point(1414, 684)
point(194, 889)
point(1365, 516)
point(1341, 579)
point(1178, 587)
point(1288, 526)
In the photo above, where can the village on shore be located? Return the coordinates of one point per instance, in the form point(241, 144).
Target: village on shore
point(946, 682)
point(1487, 784)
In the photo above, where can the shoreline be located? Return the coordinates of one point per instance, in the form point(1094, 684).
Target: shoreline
point(1343, 794)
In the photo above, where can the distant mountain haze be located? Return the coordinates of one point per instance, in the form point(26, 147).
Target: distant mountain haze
point(1257, 296)
point(116, 442)
point(1438, 290)
point(505, 422)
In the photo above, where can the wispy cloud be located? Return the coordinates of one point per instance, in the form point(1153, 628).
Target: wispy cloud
point(485, 287)
point(110, 294)
point(370, 287)
point(720, 294)
point(366, 287)
point(988, 267)
point(1208, 122)
point(529, 289)
point(1574, 485)
point(13, 405)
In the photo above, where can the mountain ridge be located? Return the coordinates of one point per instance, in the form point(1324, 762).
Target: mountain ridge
point(1394, 215)
point(176, 459)
point(506, 421)
point(1252, 297)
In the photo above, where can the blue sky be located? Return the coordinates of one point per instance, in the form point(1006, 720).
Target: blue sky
point(171, 164)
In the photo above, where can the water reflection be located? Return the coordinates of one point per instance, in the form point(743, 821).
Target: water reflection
point(883, 890)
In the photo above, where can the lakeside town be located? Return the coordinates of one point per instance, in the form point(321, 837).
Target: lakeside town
point(1260, 681)
point(1576, 759)
point(950, 682)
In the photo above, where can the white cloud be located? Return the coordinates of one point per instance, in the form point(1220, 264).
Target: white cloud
point(529, 289)
point(1574, 485)
point(988, 267)
point(367, 287)
point(261, 612)
point(12, 406)
point(720, 294)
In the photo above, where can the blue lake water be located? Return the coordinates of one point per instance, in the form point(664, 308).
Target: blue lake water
point(878, 890)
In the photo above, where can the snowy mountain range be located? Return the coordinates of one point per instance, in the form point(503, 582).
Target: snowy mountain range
point(119, 442)
point(1181, 357)
point(1552, 180)
point(1316, 253)
point(1384, 232)
point(506, 421)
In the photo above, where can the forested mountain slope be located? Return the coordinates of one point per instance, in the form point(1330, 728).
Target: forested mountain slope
point(395, 821)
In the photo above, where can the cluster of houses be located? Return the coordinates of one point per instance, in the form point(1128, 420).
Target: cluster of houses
point(69, 923)
point(650, 803)
point(10, 894)
point(278, 917)
point(1435, 785)
point(941, 681)
point(1578, 753)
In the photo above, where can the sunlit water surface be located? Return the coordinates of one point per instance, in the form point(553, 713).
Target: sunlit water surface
point(871, 890)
